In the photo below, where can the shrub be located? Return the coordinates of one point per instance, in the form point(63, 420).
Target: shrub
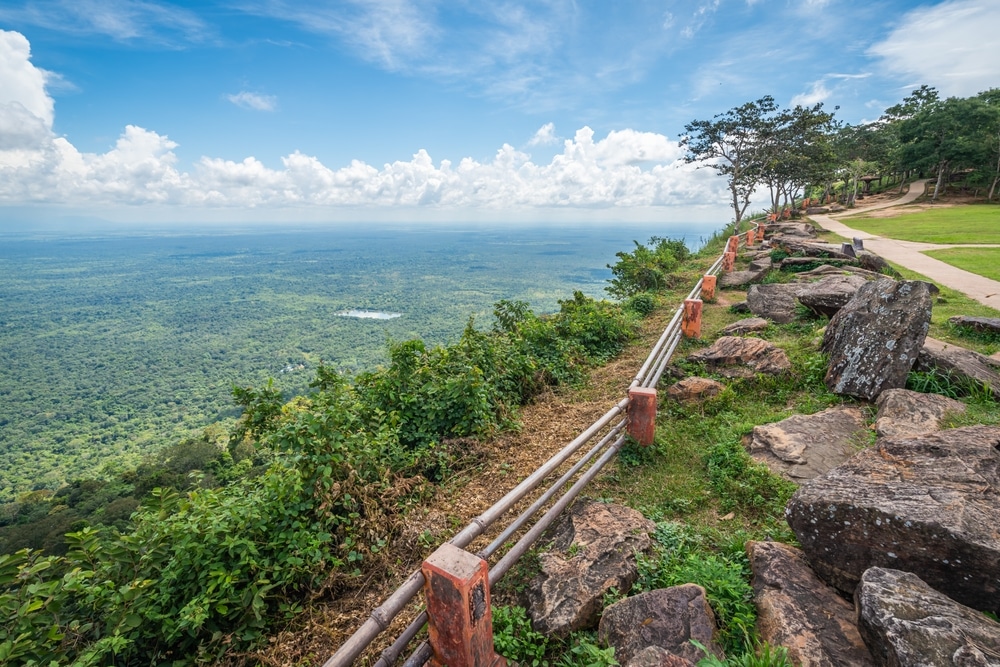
point(646, 268)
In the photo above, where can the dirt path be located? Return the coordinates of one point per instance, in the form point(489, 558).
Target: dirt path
point(910, 254)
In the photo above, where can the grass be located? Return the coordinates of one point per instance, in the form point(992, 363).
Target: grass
point(981, 261)
point(975, 223)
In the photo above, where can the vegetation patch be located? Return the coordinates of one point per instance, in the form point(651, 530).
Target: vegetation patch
point(977, 223)
point(981, 261)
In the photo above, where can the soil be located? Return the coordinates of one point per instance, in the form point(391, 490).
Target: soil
point(491, 470)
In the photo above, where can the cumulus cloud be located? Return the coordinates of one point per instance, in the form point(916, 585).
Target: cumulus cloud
point(545, 135)
point(817, 93)
point(624, 169)
point(951, 46)
point(254, 101)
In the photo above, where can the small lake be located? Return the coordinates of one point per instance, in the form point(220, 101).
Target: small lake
point(369, 314)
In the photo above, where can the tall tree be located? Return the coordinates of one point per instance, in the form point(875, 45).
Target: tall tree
point(732, 143)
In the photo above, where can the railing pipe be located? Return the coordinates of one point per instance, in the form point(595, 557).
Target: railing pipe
point(641, 375)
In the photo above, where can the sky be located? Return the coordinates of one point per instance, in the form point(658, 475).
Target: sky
point(432, 110)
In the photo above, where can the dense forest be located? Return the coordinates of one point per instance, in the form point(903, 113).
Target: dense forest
point(113, 348)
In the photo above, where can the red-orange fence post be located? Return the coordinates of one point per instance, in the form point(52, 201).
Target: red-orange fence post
point(708, 287)
point(460, 622)
point(691, 318)
point(734, 244)
point(751, 236)
point(642, 415)
point(728, 261)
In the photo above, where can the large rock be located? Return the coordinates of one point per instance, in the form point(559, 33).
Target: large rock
point(873, 341)
point(801, 230)
point(744, 326)
point(907, 623)
point(802, 447)
point(811, 248)
point(733, 356)
point(798, 611)
point(694, 389)
point(902, 412)
point(824, 270)
point(740, 278)
point(928, 504)
point(982, 324)
point(654, 656)
point(828, 295)
point(593, 550)
point(962, 365)
point(669, 618)
point(775, 301)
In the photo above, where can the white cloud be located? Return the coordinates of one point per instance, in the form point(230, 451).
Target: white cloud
point(545, 136)
point(817, 93)
point(952, 46)
point(255, 101)
point(625, 170)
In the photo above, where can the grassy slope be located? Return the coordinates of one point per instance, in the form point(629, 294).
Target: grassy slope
point(982, 261)
point(978, 223)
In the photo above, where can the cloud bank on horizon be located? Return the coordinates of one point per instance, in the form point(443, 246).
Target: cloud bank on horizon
point(527, 68)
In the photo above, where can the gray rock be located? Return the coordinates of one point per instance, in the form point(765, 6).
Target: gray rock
point(830, 294)
point(762, 263)
point(907, 623)
point(964, 366)
point(669, 618)
point(654, 656)
point(740, 278)
point(902, 412)
point(873, 341)
point(814, 210)
point(748, 325)
point(802, 230)
point(814, 249)
point(984, 324)
point(872, 262)
point(793, 263)
point(838, 269)
point(798, 611)
point(732, 356)
point(694, 389)
point(802, 447)
point(776, 302)
point(593, 550)
point(928, 505)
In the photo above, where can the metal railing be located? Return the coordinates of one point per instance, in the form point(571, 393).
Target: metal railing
point(604, 451)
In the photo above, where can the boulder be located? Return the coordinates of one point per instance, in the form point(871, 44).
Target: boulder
point(982, 324)
point(802, 447)
point(733, 356)
point(798, 611)
point(762, 262)
point(965, 366)
point(873, 341)
point(654, 656)
point(814, 249)
point(744, 326)
point(776, 302)
point(739, 307)
point(874, 263)
point(694, 389)
point(839, 269)
point(902, 412)
point(592, 550)
point(828, 295)
point(740, 278)
point(669, 618)
point(814, 210)
point(795, 264)
point(905, 622)
point(926, 504)
point(802, 230)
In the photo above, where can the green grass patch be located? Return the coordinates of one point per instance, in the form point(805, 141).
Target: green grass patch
point(975, 223)
point(981, 261)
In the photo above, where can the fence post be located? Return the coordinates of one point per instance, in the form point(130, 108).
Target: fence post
point(708, 287)
point(460, 625)
point(733, 245)
point(691, 318)
point(642, 415)
point(728, 261)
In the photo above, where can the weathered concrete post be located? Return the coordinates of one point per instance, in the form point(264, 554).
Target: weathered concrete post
point(728, 261)
point(708, 283)
point(733, 244)
point(691, 318)
point(847, 249)
point(460, 626)
point(642, 415)
point(858, 243)
point(751, 236)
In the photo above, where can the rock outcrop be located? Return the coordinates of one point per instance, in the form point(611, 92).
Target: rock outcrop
point(902, 412)
point(732, 356)
point(776, 302)
point(668, 618)
point(654, 656)
point(694, 389)
point(798, 611)
point(802, 447)
point(593, 550)
point(927, 504)
point(982, 324)
point(830, 294)
point(962, 365)
point(745, 326)
point(873, 341)
point(907, 623)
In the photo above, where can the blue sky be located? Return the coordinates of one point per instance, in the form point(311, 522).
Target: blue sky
point(433, 110)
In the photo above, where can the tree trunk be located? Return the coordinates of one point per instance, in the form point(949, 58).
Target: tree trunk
point(993, 187)
point(940, 177)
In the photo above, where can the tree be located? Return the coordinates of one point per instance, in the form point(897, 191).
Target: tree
point(732, 144)
point(796, 151)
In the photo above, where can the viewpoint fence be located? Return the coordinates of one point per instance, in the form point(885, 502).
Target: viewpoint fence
point(456, 582)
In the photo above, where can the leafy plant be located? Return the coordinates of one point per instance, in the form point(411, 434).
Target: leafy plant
point(646, 268)
point(583, 652)
point(515, 639)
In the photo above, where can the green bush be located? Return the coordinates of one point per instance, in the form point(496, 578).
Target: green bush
point(647, 268)
point(641, 304)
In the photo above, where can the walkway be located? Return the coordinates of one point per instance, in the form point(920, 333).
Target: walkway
point(910, 254)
